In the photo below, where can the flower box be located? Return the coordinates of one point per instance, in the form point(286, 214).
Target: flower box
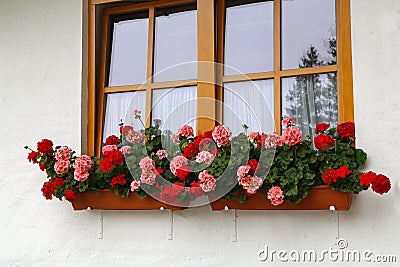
point(284, 167)
point(320, 198)
point(108, 200)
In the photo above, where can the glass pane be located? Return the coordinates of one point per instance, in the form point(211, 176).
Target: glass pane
point(129, 52)
point(175, 107)
point(175, 44)
point(119, 107)
point(250, 103)
point(308, 33)
point(249, 38)
point(310, 100)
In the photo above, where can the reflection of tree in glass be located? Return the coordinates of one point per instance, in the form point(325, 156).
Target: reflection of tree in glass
point(313, 98)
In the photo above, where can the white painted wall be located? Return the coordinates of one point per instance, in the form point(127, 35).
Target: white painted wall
point(40, 81)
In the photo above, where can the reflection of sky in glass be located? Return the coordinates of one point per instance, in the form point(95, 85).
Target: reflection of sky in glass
point(129, 52)
point(249, 38)
point(175, 107)
point(306, 23)
point(175, 43)
point(250, 103)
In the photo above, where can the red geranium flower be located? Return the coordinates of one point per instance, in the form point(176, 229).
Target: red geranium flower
point(329, 176)
point(42, 167)
point(190, 150)
point(32, 156)
point(367, 178)
point(323, 141)
point(381, 184)
point(254, 166)
point(208, 134)
point(169, 193)
point(183, 172)
point(115, 156)
point(195, 190)
point(59, 182)
point(125, 129)
point(48, 190)
point(159, 171)
point(112, 140)
point(45, 146)
point(321, 127)
point(179, 184)
point(346, 130)
point(70, 195)
point(343, 171)
point(106, 165)
point(119, 179)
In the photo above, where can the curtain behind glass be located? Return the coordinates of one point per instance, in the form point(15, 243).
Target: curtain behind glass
point(119, 107)
point(250, 103)
point(175, 107)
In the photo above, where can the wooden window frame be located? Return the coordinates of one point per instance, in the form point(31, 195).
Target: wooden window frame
point(210, 49)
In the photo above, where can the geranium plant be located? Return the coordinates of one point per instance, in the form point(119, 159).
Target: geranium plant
point(182, 167)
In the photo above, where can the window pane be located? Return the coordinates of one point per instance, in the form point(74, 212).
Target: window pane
point(119, 107)
point(310, 100)
point(129, 52)
point(308, 33)
point(175, 44)
point(249, 38)
point(175, 107)
point(250, 103)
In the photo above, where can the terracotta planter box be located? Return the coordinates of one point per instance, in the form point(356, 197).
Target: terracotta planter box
point(320, 198)
point(107, 200)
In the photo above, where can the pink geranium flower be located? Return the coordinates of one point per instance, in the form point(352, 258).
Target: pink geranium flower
point(178, 163)
point(275, 195)
point(135, 185)
point(125, 150)
point(292, 136)
point(108, 148)
point(186, 131)
point(63, 153)
point(287, 121)
point(61, 166)
point(204, 156)
point(149, 173)
point(161, 154)
point(134, 137)
point(250, 183)
point(253, 136)
point(273, 141)
point(221, 135)
point(207, 181)
point(81, 166)
point(243, 171)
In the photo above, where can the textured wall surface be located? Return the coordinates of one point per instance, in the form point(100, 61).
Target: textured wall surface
point(40, 83)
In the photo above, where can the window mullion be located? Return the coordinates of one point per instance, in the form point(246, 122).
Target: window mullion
point(277, 65)
point(150, 61)
point(91, 117)
point(220, 35)
point(206, 67)
point(344, 63)
point(101, 97)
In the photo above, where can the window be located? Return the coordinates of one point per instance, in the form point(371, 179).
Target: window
point(280, 58)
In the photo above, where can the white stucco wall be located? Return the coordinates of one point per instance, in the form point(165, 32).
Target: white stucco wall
point(40, 81)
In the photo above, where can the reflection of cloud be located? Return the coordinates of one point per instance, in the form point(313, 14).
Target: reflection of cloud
point(313, 28)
